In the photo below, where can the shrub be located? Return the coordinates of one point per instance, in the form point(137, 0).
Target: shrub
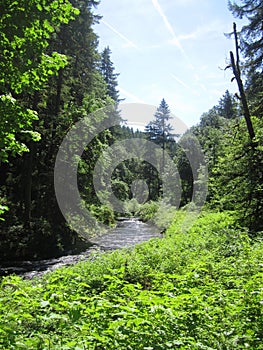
point(148, 210)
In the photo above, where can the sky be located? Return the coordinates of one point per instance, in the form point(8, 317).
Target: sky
point(171, 49)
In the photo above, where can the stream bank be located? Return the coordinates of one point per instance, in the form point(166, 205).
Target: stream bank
point(127, 233)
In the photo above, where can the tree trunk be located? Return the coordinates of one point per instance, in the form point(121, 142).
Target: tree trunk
point(237, 74)
point(28, 186)
point(28, 175)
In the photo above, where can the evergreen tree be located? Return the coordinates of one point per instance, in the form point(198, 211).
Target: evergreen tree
point(210, 133)
point(61, 104)
point(159, 130)
point(76, 91)
point(251, 43)
point(251, 33)
point(235, 179)
point(107, 71)
point(227, 106)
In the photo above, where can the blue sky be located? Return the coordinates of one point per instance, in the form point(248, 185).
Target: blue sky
point(171, 49)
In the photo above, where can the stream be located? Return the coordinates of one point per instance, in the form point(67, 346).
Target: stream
point(127, 233)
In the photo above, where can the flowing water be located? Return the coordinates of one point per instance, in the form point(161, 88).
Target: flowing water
point(127, 233)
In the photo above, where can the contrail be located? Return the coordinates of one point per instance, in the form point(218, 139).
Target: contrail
point(180, 81)
point(130, 95)
point(168, 25)
point(129, 42)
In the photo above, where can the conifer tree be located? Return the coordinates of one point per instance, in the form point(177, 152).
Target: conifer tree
point(77, 90)
point(227, 106)
point(159, 129)
point(107, 71)
point(251, 44)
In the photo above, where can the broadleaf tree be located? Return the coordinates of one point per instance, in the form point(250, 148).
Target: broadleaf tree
point(25, 66)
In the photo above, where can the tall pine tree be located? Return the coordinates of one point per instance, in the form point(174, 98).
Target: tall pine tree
point(251, 43)
point(107, 71)
point(227, 106)
point(159, 129)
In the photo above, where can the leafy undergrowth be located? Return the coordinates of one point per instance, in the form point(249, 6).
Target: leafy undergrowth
point(197, 290)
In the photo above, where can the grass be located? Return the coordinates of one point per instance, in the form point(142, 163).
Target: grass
point(197, 290)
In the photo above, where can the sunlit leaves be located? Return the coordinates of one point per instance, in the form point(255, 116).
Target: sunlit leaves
point(25, 67)
point(14, 117)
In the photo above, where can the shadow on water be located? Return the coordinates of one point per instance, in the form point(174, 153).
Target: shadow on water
point(127, 233)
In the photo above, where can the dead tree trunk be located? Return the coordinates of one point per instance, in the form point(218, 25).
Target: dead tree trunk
point(236, 70)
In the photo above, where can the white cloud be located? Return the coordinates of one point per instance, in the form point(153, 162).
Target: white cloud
point(213, 29)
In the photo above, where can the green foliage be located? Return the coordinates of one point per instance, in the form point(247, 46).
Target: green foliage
point(51, 67)
point(236, 176)
point(103, 213)
point(16, 118)
point(227, 106)
point(210, 133)
point(148, 210)
point(159, 213)
point(132, 206)
point(196, 290)
point(234, 163)
point(159, 129)
point(107, 71)
point(3, 208)
point(25, 66)
point(252, 49)
point(251, 43)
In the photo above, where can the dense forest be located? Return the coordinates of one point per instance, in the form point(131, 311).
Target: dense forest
point(200, 290)
point(59, 78)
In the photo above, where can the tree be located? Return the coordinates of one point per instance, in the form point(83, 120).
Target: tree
point(60, 104)
point(25, 66)
point(236, 177)
point(251, 33)
point(107, 71)
point(227, 106)
point(251, 44)
point(159, 131)
point(235, 65)
point(210, 133)
point(34, 222)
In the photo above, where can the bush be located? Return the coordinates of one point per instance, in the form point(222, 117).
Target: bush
point(103, 213)
point(148, 210)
